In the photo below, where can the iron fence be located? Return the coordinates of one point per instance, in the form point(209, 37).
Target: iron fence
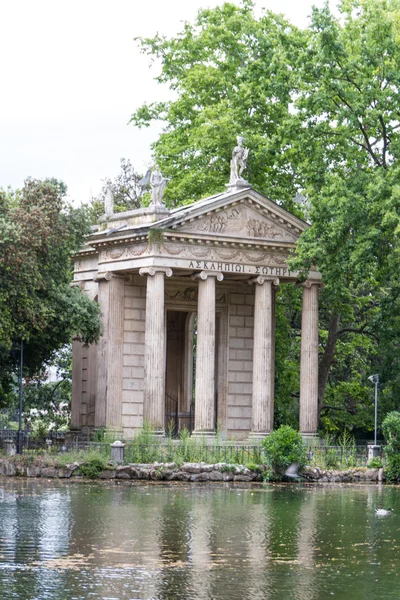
point(185, 450)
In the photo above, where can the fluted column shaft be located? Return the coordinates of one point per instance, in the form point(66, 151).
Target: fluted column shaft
point(155, 347)
point(108, 410)
point(309, 360)
point(263, 356)
point(205, 355)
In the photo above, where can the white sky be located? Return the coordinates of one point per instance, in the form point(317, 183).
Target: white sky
point(71, 77)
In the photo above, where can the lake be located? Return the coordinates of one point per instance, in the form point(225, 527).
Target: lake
point(119, 541)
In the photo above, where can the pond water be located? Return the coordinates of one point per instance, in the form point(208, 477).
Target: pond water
point(122, 541)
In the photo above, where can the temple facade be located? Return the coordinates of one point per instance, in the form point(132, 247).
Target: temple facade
point(188, 306)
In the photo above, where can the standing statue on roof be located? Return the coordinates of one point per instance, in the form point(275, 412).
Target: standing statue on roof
point(239, 161)
point(109, 202)
point(157, 184)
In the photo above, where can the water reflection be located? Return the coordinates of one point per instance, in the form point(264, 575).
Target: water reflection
point(178, 542)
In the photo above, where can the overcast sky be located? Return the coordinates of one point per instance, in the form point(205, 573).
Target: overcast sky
point(72, 75)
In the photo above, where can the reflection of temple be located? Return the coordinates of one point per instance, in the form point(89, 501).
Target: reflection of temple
point(160, 276)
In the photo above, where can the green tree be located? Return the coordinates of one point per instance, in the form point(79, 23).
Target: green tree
point(232, 74)
point(348, 112)
point(127, 192)
point(320, 111)
point(38, 234)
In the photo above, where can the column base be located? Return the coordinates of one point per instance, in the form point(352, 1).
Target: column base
point(257, 436)
point(159, 433)
point(210, 437)
point(310, 436)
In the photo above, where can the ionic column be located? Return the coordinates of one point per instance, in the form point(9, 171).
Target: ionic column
point(263, 356)
point(205, 355)
point(155, 347)
point(110, 350)
point(309, 360)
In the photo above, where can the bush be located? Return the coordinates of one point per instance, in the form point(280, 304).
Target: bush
point(391, 432)
point(93, 467)
point(375, 463)
point(283, 447)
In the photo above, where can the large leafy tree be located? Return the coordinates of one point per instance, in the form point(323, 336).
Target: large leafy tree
point(349, 114)
point(320, 111)
point(231, 74)
point(38, 234)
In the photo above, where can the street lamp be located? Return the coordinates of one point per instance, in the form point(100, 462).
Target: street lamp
point(20, 432)
point(375, 379)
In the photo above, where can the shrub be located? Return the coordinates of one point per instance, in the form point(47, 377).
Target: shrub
point(375, 463)
point(93, 467)
point(283, 447)
point(391, 432)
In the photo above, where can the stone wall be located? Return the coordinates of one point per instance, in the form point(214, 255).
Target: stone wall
point(133, 369)
point(240, 361)
point(190, 472)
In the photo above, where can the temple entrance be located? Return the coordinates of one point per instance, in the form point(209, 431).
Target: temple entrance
point(179, 395)
point(181, 370)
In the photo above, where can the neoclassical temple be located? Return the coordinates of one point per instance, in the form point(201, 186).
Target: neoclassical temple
point(188, 306)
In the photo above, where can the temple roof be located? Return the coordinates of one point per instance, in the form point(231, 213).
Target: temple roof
point(236, 213)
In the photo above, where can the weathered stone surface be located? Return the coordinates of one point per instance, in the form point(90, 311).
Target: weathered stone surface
point(216, 476)
point(64, 473)
point(191, 468)
point(49, 472)
point(123, 472)
point(200, 477)
point(143, 473)
point(107, 474)
point(372, 474)
point(227, 476)
point(242, 478)
point(179, 476)
point(33, 471)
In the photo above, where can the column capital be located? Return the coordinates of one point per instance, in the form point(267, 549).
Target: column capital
point(203, 275)
point(107, 276)
point(261, 279)
point(310, 282)
point(153, 270)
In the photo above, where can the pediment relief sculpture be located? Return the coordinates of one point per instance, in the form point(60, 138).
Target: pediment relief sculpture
point(240, 221)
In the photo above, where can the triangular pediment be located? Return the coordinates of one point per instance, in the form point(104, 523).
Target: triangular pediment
point(247, 215)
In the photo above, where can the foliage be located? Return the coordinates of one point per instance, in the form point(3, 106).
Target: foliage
point(320, 112)
point(38, 234)
point(127, 192)
point(231, 74)
point(93, 466)
point(375, 463)
point(283, 447)
point(83, 457)
point(391, 432)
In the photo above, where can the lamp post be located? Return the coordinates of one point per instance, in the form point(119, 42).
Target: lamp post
point(20, 432)
point(373, 452)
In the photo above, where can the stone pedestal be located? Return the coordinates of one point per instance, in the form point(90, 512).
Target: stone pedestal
point(263, 356)
point(155, 347)
point(309, 361)
point(205, 355)
point(373, 451)
point(108, 412)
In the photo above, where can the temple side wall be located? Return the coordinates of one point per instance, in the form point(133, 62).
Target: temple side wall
point(133, 365)
point(240, 361)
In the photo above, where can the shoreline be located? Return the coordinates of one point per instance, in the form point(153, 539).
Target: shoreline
point(169, 472)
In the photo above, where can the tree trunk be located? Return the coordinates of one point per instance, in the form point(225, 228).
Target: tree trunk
point(327, 358)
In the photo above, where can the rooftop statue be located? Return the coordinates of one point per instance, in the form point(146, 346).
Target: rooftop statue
point(238, 162)
point(109, 202)
point(157, 184)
